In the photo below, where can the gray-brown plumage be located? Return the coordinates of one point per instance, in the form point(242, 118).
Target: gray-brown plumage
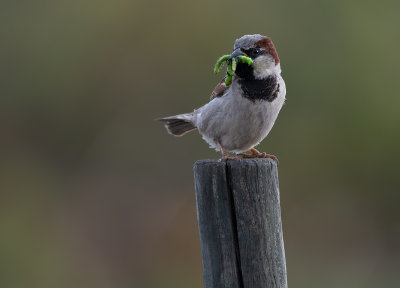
point(239, 116)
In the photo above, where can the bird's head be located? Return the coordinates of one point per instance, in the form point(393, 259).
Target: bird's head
point(263, 53)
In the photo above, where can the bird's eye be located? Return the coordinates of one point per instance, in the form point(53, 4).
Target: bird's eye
point(255, 52)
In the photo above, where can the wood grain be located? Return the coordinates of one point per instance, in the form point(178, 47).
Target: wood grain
point(238, 209)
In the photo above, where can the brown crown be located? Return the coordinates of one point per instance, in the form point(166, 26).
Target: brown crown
point(269, 47)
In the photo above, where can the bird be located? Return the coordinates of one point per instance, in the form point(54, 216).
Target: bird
point(239, 116)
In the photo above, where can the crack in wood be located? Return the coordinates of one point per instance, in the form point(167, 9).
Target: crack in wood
point(240, 225)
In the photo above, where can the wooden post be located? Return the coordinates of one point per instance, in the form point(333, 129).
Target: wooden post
point(238, 210)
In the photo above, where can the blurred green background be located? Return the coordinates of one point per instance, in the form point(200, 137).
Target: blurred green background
point(94, 193)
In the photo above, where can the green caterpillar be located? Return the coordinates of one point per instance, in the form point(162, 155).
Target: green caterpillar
point(231, 65)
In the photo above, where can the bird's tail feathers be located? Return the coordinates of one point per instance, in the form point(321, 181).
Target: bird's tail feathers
point(179, 125)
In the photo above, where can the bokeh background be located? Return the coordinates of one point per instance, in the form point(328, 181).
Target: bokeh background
point(94, 193)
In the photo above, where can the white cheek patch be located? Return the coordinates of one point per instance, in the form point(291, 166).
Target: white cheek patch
point(263, 66)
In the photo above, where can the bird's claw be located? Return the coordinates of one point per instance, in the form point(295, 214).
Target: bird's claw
point(227, 157)
point(257, 154)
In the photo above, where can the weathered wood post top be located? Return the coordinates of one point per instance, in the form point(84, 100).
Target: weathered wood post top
point(240, 227)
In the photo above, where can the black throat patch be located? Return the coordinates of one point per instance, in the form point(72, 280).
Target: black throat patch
point(265, 89)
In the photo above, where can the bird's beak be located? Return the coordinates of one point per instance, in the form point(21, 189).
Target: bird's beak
point(237, 52)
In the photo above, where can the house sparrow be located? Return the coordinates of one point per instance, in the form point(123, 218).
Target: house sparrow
point(239, 116)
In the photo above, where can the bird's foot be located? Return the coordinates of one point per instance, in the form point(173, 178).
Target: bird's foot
point(227, 157)
point(257, 154)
